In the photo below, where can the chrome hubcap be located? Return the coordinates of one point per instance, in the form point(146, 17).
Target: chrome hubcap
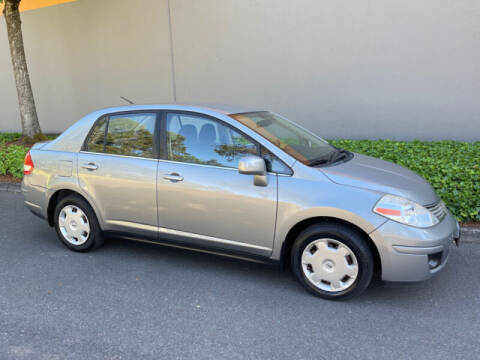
point(73, 224)
point(329, 265)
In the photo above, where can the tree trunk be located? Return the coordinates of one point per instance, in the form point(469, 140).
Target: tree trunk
point(28, 113)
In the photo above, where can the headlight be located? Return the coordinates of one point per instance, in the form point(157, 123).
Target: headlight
point(405, 211)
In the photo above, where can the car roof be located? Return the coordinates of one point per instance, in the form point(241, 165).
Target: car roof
point(72, 138)
point(225, 109)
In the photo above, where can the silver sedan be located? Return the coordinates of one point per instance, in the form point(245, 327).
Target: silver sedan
point(239, 182)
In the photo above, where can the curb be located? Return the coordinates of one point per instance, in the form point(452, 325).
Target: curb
point(9, 187)
point(469, 235)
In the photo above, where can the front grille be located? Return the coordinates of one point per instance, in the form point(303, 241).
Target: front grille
point(438, 209)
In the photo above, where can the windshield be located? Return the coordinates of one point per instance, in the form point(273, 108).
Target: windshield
point(291, 138)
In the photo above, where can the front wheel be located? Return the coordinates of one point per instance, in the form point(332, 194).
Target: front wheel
point(332, 261)
point(76, 224)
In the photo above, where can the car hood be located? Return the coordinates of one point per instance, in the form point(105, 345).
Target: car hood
point(383, 176)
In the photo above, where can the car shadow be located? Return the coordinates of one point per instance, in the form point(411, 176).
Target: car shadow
point(270, 275)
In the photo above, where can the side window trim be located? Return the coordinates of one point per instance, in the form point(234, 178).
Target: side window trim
point(162, 136)
point(107, 119)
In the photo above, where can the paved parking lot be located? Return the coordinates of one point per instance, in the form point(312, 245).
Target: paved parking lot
point(131, 300)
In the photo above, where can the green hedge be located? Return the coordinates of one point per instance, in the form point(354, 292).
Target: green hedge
point(11, 160)
point(452, 167)
point(5, 137)
point(11, 157)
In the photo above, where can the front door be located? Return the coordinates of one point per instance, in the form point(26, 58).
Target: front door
point(202, 199)
point(118, 169)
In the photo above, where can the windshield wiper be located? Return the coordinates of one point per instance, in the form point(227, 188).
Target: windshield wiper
point(323, 160)
point(340, 155)
point(316, 162)
point(333, 157)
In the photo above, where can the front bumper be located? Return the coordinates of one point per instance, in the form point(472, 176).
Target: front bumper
point(414, 254)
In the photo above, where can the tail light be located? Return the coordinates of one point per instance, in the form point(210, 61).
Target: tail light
point(27, 164)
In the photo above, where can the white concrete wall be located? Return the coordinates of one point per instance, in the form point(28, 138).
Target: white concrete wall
point(399, 69)
point(83, 55)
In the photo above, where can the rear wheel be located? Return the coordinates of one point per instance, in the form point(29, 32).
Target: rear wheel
point(76, 224)
point(332, 261)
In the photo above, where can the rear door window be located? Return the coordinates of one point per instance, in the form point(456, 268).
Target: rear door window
point(131, 135)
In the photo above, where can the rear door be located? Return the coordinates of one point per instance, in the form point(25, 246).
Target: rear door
point(118, 167)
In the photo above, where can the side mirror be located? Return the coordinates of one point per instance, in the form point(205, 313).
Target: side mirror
point(254, 165)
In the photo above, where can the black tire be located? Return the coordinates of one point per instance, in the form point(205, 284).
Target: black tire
point(349, 237)
point(95, 238)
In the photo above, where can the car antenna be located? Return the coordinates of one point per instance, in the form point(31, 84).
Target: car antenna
point(125, 99)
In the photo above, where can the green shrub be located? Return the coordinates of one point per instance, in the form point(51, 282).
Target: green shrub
point(12, 156)
point(11, 160)
point(452, 167)
point(7, 137)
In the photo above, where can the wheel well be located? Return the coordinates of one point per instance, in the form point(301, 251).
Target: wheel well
point(298, 228)
point(56, 197)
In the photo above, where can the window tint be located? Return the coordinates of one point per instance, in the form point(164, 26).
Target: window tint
point(199, 140)
point(97, 137)
point(274, 164)
point(131, 135)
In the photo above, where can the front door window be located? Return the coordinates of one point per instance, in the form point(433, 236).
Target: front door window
point(200, 140)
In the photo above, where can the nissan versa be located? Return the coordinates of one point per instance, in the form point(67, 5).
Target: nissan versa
point(241, 182)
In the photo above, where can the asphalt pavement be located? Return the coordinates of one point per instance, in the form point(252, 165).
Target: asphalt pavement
point(131, 300)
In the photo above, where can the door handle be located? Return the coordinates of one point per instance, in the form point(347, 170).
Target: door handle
point(173, 177)
point(90, 166)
